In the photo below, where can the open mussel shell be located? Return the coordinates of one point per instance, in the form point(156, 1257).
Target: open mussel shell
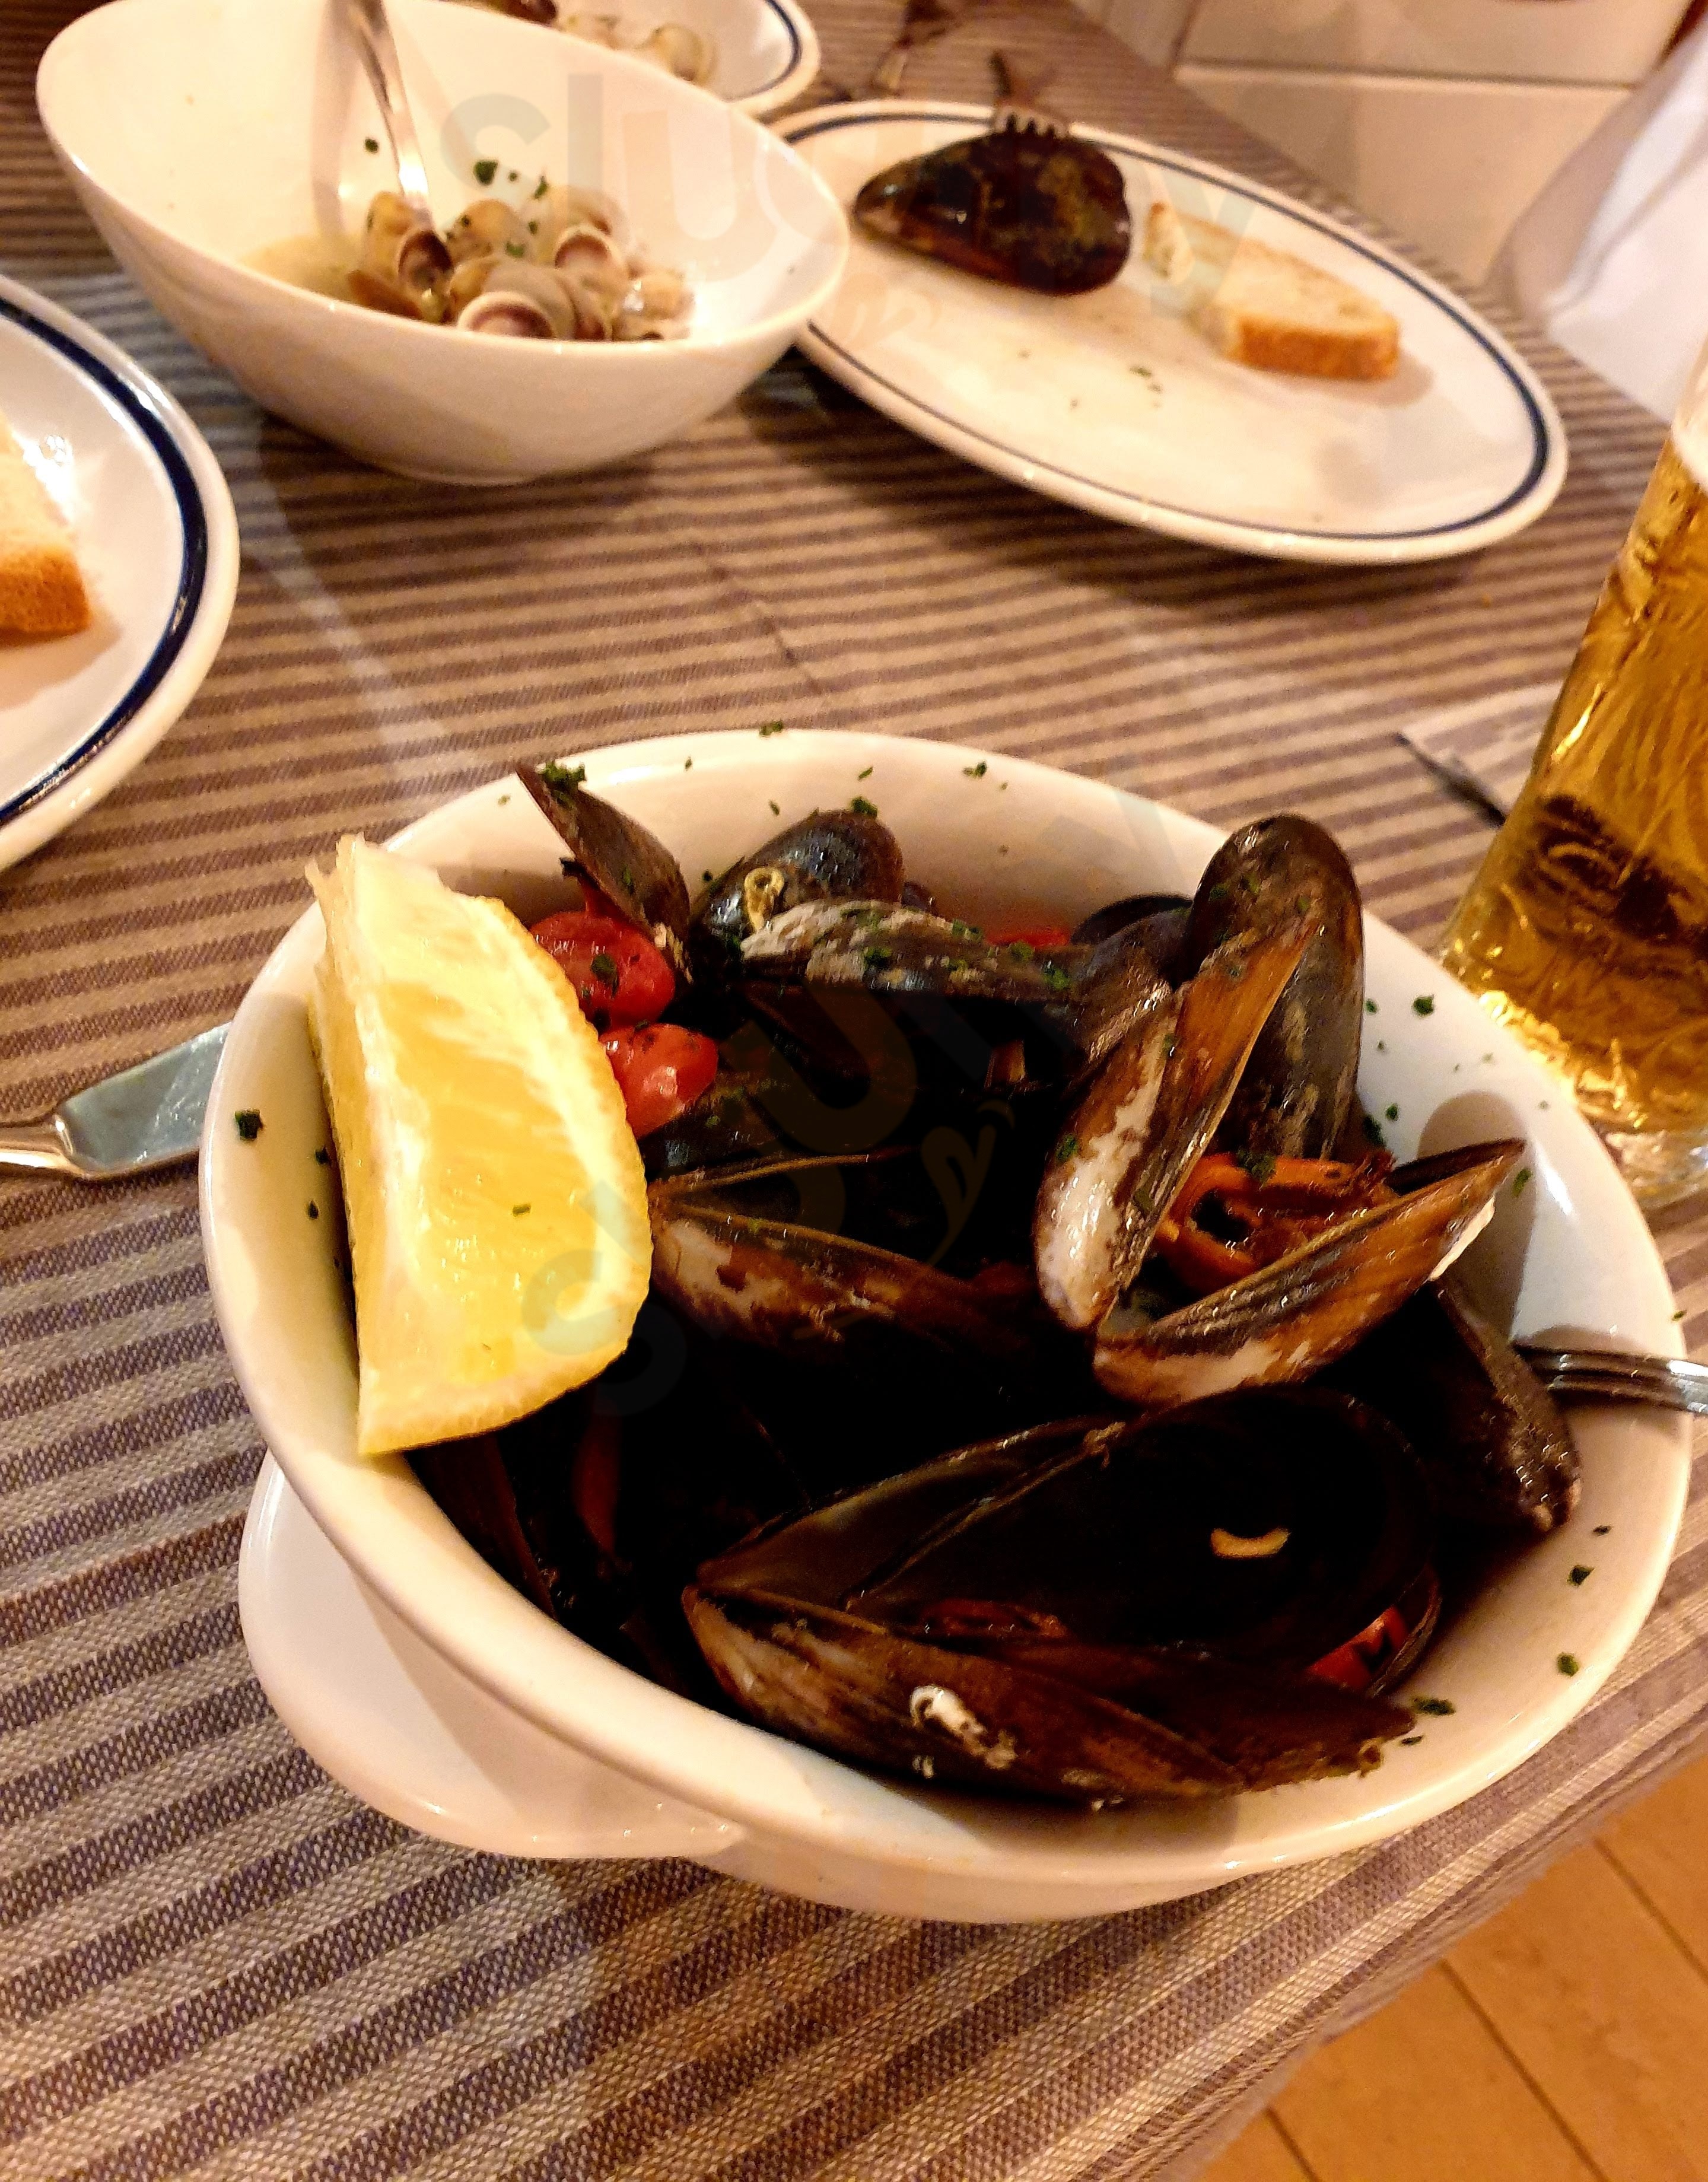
point(630, 865)
point(1300, 1085)
point(1134, 1137)
point(849, 1686)
point(1035, 210)
point(806, 1291)
point(831, 856)
point(1172, 1582)
point(1491, 1439)
point(1155, 922)
point(1289, 1318)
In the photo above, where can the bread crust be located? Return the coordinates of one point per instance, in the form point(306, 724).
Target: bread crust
point(41, 590)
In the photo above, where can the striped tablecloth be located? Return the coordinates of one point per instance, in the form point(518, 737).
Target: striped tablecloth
point(215, 1962)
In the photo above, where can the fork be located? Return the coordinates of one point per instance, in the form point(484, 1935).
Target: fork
point(1019, 102)
point(1614, 1374)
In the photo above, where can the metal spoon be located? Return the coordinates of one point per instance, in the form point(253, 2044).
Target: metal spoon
point(372, 32)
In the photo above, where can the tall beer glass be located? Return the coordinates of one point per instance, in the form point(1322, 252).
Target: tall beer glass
point(1587, 928)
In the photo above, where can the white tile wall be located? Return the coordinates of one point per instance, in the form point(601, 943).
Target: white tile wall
point(1450, 163)
point(1538, 40)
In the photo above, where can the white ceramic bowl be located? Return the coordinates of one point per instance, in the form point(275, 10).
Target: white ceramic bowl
point(1568, 1251)
point(198, 132)
point(765, 52)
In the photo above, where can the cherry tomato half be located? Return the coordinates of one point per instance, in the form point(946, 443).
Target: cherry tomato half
point(618, 974)
point(660, 1069)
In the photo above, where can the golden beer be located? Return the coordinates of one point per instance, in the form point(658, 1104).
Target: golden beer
point(1587, 928)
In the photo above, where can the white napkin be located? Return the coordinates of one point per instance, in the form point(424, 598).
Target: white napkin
point(1611, 260)
point(1487, 745)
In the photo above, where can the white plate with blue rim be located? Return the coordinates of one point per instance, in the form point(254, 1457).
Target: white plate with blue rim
point(155, 537)
point(759, 54)
point(1113, 402)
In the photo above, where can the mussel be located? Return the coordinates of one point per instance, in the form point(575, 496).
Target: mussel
point(830, 856)
point(1493, 1444)
point(1096, 1610)
point(1021, 204)
point(630, 865)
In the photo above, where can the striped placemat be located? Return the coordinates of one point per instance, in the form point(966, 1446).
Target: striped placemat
point(215, 1963)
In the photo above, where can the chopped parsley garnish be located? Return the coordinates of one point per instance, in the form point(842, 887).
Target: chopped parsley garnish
point(627, 878)
point(567, 865)
point(1218, 892)
point(313, 1209)
point(1370, 1007)
point(562, 779)
point(775, 811)
point(1022, 951)
point(485, 169)
point(540, 187)
point(1437, 1707)
point(515, 250)
point(1066, 1150)
point(605, 970)
point(1409, 1742)
point(1424, 1005)
point(323, 1158)
point(1580, 1573)
point(876, 958)
point(249, 1125)
point(1519, 1181)
point(860, 806)
point(1301, 902)
point(1391, 1113)
point(687, 765)
point(1251, 883)
point(1260, 1165)
point(517, 1210)
point(370, 143)
point(772, 727)
point(1055, 977)
point(514, 176)
point(533, 227)
point(1235, 972)
point(976, 771)
point(867, 775)
point(1601, 1529)
point(1141, 371)
point(705, 878)
point(1568, 1663)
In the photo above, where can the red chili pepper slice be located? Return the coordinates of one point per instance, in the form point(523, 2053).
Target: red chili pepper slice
point(1042, 936)
point(661, 1070)
point(1354, 1664)
point(1274, 1205)
point(618, 974)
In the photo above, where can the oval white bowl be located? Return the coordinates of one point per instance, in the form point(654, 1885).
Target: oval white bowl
point(198, 132)
point(1568, 1251)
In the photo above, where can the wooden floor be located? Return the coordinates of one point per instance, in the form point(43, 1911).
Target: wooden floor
point(1565, 2041)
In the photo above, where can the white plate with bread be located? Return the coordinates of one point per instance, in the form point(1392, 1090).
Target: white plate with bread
point(117, 565)
point(1259, 377)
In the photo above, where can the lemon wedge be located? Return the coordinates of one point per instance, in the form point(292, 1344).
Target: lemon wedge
point(493, 1189)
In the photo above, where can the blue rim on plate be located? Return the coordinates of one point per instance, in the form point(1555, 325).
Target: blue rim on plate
point(193, 572)
point(794, 59)
point(1540, 441)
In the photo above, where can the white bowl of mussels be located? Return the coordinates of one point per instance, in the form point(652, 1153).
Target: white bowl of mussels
point(1265, 1549)
point(613, 253)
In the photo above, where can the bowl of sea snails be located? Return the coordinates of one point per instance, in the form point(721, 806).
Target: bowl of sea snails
point(612, 252)
point(732, 1601)
point(758, 54)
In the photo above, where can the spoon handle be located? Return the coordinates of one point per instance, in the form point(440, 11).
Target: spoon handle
point(372, 31)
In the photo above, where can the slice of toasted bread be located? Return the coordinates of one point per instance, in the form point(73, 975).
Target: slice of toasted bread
point(1266, 307)
point(41, 590)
